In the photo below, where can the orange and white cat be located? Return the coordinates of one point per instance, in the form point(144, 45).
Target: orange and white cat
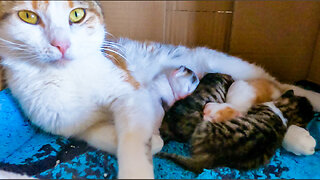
point(240, 97)
point(53, 55)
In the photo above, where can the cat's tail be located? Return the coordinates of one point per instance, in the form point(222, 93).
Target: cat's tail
point(312, 96)
point(190, 163)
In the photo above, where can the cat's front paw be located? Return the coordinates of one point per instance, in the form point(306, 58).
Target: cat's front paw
point(216, 112)
point(299, 141)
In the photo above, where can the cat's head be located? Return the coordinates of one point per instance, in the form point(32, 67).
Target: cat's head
point(50, 31)
point(183, 82)
point(298, 110)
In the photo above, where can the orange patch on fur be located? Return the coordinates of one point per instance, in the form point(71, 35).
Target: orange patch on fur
point(70, 3)
point(42, 24)
point(263, 89)
point(225, 114)
point(35, 5)
point(99, 15)
point(121, 63)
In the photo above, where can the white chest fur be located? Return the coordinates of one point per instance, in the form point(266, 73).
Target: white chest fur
point(65, 100)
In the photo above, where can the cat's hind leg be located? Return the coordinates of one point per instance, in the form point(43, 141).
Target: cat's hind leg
point(103, 136)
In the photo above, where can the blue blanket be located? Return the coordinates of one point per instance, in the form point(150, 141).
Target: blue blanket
point(27, 149)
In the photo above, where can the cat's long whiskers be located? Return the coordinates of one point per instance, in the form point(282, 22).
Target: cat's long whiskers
point(112, 42)
point(115, 52)
point(114, 48)
point(13, 47)
point(114, 45)
point(12, 43)
point(107, 33)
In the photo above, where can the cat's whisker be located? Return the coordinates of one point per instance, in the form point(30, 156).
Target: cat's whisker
point(107, 33)
point(115, 52)
point(12, 43)
point(13, 48)
point(114, 48)
point(112, 42)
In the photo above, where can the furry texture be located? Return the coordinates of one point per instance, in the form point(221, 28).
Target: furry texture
point(245, 142)
point(241, 96)
point(69, 91)
point(10, 175)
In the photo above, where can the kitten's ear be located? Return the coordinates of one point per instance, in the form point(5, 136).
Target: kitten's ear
point(288, 94)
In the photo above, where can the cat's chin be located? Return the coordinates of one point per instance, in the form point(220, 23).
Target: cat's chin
point(61, 62)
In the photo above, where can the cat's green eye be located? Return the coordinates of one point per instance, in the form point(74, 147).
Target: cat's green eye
point(77, 15)
point(29, 17)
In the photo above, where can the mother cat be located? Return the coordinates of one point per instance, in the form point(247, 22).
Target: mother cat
point(51, 52)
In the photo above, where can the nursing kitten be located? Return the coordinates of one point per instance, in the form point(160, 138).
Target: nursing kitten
point(181, 82)
point(241, 96)
point(244, 94)
point(56, 65)
point(181, 120)
point(245, 142)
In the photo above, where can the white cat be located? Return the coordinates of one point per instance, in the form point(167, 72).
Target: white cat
point(54, 66)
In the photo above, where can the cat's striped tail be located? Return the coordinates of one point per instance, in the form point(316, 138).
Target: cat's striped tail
point(189, 163)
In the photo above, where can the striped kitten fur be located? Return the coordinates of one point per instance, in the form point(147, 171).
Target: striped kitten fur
point(70, 80)
point(181, 120)
point(244, 142)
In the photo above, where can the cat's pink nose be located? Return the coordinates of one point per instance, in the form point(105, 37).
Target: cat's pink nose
point(61, 45)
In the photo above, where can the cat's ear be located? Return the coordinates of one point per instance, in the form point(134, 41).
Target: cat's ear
point(288, 94)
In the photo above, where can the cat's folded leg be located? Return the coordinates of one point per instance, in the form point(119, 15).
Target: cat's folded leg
point(103, 136)
point(135, 118)
point(299, 141)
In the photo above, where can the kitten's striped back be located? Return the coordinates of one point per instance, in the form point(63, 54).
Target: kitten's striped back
point(181, 120)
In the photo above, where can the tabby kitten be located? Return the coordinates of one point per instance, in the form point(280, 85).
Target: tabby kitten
point(56, 63)
point(245, 142)
point(180, 121)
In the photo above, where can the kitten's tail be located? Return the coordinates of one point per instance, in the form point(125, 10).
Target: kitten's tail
point(190, 163)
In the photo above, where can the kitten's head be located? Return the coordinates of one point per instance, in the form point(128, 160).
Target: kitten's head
point(298, 110)
point(183, 82)
point(45, 32)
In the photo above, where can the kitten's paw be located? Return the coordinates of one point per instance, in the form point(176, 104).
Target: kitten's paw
point(299, 141)
point(157, 144)
point(216, 112)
